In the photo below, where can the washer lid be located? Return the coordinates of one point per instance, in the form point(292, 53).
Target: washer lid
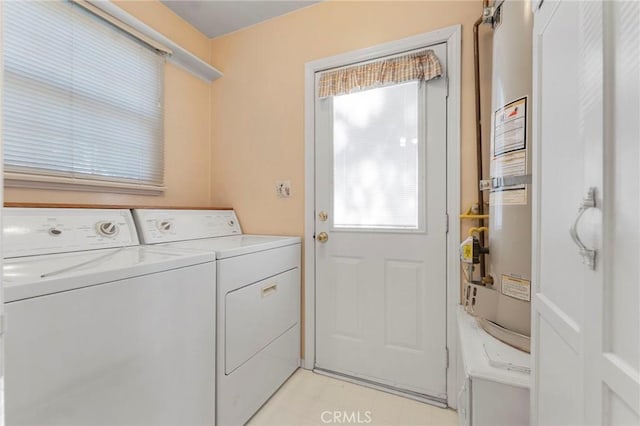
point(236, 245)
point(33, 276)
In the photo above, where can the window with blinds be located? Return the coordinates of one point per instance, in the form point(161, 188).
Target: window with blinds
point(82, 101)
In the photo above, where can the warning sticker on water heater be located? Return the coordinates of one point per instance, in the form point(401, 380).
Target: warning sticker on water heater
point(510, 128)
point(510, 197)
point(509, 152)
point(516, 287)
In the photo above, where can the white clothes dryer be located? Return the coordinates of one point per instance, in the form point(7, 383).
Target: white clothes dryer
point(258, 311)
point(101, 330)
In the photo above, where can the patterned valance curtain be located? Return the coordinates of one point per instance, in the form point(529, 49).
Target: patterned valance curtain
point(423, 65)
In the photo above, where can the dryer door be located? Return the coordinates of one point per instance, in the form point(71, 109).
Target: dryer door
point(258, 314)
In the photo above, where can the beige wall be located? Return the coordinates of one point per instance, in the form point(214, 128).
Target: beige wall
point(187, 126)
point(258, 106)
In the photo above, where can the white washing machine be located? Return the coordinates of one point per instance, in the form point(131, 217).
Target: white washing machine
point(258, 281)
point(101, 330)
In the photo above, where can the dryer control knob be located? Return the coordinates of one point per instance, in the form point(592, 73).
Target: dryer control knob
point(164, 225)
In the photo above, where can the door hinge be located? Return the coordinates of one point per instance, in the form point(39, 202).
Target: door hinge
point(447, 356)
point(446, 218)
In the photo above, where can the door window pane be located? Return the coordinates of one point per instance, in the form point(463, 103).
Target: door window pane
point(376, 158)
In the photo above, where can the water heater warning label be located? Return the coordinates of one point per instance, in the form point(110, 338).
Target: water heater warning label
point(516, 288)
point(509, 152)
point(510, 128)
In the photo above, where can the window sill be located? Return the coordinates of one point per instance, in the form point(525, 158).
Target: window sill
point(22, 180)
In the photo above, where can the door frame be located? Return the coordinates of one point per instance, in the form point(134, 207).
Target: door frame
point(452, 36)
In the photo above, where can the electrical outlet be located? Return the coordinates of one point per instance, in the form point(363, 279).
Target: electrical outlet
point(283, 188)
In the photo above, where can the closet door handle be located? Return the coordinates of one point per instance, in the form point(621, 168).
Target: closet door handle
point(588, 255)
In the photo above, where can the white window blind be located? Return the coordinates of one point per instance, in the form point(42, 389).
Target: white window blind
point(82, 101)
point(376, 158)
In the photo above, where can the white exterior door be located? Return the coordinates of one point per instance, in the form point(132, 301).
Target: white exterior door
point(381, 202)
point(586, 136)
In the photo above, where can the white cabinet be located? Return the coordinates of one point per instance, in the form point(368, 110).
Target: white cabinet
point(586, 232)
point(493, 388)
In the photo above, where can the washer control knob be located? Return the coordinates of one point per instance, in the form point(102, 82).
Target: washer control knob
point(107, 228)
point(164, 225)
point(231, 222)
point(55, 232)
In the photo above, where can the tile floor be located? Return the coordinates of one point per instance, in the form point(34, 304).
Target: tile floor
point(311, 399)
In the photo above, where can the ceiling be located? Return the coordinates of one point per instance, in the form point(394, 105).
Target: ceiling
point(218, 17)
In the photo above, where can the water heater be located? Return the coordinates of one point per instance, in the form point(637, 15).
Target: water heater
point(505, 303)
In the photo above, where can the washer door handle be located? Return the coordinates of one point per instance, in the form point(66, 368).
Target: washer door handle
point(588, 255)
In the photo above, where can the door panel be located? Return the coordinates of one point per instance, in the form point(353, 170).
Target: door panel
point(347, 289)
point(560, 197)
point(380, 276)
point(559, 405)
point(619, 413)
point(619, 349)
point(403, 293)
point(559, 277)
point(623, 274)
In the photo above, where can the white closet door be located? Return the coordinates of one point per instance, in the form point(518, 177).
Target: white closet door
point(586, 137)
point(567, 134)
point(617, 386)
